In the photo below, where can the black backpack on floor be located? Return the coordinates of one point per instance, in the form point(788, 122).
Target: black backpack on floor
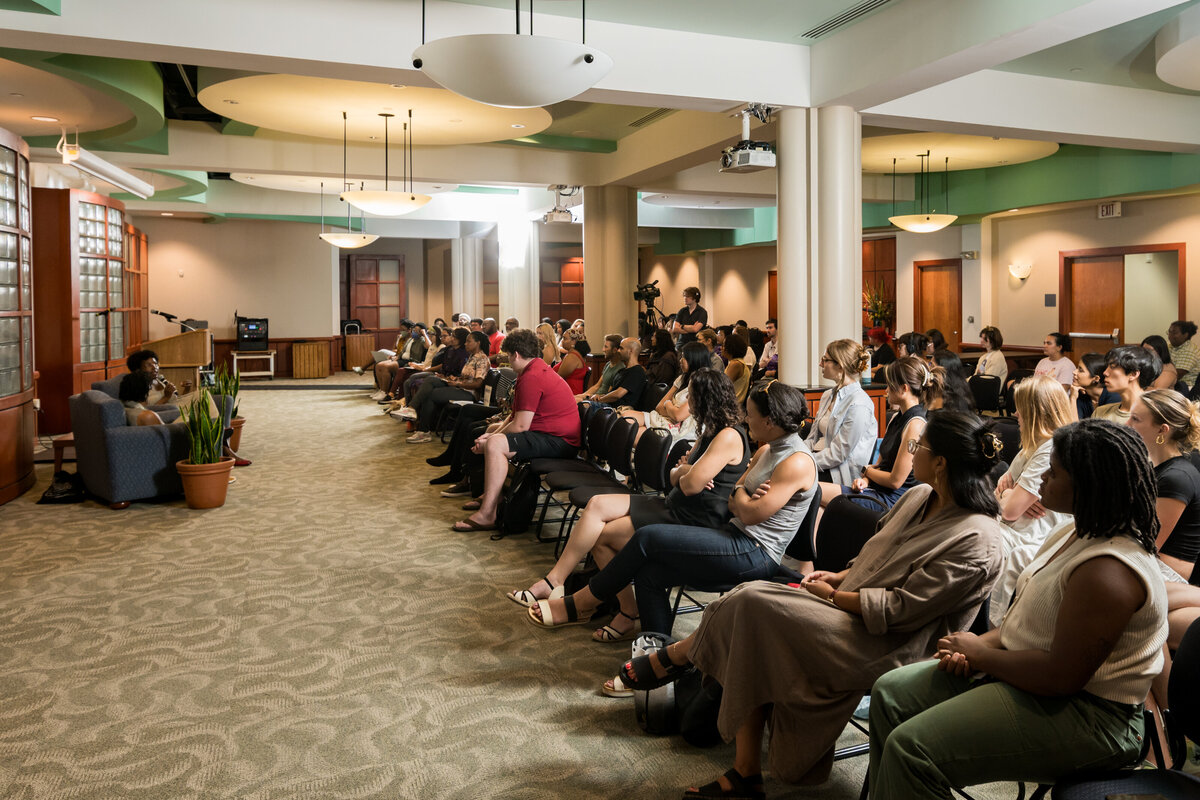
point(518, 503)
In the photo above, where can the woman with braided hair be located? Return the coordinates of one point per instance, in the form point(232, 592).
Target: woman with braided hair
point(802, 657)
point(1059, 686)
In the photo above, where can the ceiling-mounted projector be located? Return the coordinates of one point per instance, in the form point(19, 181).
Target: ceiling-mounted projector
point(565, 197)
point(748, 155)
point(558, 215)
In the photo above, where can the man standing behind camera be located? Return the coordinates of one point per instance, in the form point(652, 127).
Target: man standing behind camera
point(690, 319)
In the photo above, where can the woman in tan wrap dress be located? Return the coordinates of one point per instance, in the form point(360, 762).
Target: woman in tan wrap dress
point(801, 659)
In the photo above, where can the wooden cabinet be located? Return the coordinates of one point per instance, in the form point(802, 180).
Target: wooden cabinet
point(91, 296)
point(16, 320)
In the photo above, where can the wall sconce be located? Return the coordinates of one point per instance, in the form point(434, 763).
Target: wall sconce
point(1020, 271)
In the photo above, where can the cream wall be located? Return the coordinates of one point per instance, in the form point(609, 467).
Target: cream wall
point(1151, 294)
point(1018, 308)
point(278, 270)
point(733, 283)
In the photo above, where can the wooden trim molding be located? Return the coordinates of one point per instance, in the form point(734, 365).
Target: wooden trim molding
point(1064, 274)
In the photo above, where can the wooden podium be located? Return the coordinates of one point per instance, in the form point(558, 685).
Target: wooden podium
point(181, 356)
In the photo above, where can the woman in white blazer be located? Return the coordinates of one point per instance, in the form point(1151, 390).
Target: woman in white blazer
point(844, 431)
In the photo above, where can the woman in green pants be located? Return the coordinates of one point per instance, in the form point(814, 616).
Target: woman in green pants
point(1059, 686)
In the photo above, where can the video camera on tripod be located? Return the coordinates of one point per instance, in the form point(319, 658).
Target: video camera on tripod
point(646, 293)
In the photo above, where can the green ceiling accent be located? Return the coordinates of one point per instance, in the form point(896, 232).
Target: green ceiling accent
point(1075, 172)
point(34, 6)
point(136, 84)
point(486, 190)
point(231, 127)
point(573, 143)
point(764, 231)
point(193, 190)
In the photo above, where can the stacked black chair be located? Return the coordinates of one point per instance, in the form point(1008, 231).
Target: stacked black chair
point(987, 391)
point(600, 421)
point(652, 395)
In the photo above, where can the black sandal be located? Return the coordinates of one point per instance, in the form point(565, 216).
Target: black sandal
point(638, 673)
point(741, 788)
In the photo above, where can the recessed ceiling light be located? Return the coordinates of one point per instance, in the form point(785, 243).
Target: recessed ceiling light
point(15, 94)
point(231, 102)
point(167, 214)
point(518, 125)
point(1011, 210)
point(454, 121)
point(44, 119)
point(249, 177)
point(1076, 69)
point(399, 86)
point(437, 187)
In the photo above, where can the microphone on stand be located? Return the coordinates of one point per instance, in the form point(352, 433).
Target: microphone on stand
point(104, 312)
point(164, 315)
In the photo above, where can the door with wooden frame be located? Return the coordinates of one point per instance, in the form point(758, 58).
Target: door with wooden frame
point(937, 298)
point(1099, 288)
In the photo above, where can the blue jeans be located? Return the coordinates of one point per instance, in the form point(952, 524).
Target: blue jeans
point(660, 557)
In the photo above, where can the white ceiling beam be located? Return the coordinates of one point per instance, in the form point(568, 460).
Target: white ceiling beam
point(916, 44)
point(1012, 105)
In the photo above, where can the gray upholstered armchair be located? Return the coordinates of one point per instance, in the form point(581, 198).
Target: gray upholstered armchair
point(118, 462)
point(112, 388)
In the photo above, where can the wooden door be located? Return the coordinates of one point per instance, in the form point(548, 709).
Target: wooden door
point(1093, 296)
point(937, 298)
point(773, 294)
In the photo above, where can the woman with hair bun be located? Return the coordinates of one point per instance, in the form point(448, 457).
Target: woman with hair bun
point(768, 503)
point(843, 433)
point(801, 658)
point(909, 383)
point(1169, 425)
point(1042, 408)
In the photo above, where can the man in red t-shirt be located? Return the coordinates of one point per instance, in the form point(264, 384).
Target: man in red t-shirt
point(495, 337)
point(544, 424)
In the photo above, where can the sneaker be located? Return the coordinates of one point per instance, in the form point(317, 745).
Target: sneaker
point(460, 489)
point(358, 370)
point(378, 395)
point(449, 477)
point(406, 413)
point(863, 711)
point(420, 437)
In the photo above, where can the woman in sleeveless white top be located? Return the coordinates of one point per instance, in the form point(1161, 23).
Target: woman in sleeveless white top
point(1059, 686)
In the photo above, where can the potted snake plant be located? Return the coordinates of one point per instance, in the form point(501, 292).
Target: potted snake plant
point(205, 473)
point(230, 383)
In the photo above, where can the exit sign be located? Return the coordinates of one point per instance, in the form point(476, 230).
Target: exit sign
point(1108, 210)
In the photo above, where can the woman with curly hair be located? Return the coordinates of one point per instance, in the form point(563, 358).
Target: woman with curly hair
point(768, 503)
point(699, 496)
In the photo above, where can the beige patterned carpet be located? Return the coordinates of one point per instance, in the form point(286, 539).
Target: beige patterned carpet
point(324, 635)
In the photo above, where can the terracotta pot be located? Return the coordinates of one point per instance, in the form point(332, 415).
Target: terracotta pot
point(235, 441)
point(205, 485)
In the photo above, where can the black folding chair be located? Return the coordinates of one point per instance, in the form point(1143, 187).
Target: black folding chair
point(986, 389)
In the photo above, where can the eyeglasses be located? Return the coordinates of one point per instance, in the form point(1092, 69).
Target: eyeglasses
point(915, 444)
point(825, 359)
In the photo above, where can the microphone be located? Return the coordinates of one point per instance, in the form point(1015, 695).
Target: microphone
point(104, 312)
point(164, 315)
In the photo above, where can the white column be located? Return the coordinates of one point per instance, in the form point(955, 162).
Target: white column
point(466, 270)
point(610, 268)
point(839, 223)
point(796, 361)
point(519, 271)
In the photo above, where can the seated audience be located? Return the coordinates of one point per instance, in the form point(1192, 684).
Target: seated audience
point(492, 331)
point(453, 357)
point(912, 344)
point(1056, 364)
point(561, 327)
point(1185, 354)
point(134, 389)
point(768, 361)
point(629, 383)
point(1169, 377)
point(1169, 426)
point(909, 382)
point(992, 361)
point(800, 659)
point(956, 395)
point(699, 496)
point(751, 357)
point(1129, 371)
point(663, 366)
point(436, 392)
point(768, 504)
point(613, 363)
point(544, 423)
point(737, 370)
point(572, 367)
point(439, 323)
point(1042, 408)
point(673, 412)
point(435, 353)
point(510, 325)
point(843, 433)
point(411, 352)
point(1087, 391)
point(476, 324)
point(882, 353)
point(1070, 665)
point(547, 340)
point(708, 338)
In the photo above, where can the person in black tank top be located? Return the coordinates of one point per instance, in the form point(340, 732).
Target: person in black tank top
point(609, 521)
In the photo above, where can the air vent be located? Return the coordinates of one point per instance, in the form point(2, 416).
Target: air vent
point(653, 116)
point(845, 18)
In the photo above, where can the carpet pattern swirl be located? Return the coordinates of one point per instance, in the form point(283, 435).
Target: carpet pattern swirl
point(324, 634)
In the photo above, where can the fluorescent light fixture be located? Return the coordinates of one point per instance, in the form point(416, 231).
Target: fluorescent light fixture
point(97, 167)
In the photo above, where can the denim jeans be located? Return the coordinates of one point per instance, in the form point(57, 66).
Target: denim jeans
point(931, 730)
point(660, 557)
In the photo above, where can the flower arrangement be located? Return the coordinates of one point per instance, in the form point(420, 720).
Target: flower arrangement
point(876, 305)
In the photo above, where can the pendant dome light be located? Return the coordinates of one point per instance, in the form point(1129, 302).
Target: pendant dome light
point(513, 70)
point(387, 203)
point(348, 240)
point(926, 221)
